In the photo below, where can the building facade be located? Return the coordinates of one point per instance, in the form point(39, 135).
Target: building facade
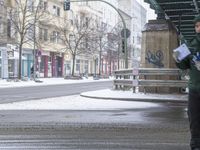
point(135, 15)
point(44, 43)
point(3, 40)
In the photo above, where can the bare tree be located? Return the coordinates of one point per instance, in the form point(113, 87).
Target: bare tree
point(109, 43)
point(23, 16)
point(99, 37)
point(115, 37)
point(75, 36)
point(3, 19)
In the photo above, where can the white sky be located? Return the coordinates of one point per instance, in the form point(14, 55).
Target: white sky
point(150, 12)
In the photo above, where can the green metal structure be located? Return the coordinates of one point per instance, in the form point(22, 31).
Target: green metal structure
point(180, 12)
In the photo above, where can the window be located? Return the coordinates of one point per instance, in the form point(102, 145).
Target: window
point(43, 34)
point(71, 22)
point(42, 63)
point(9, 28)
point(30, 31)
point(86, 43)
point(87, 22)
point(40, 33)
point(1, 25)
point(43, 5)
point(139, 40)
point(56, 10)
point(49, 65)
point(78, 65)
point(2, 7)
point(2, 3)
point(72, 40)
point(86, 67)
point(55, 37)
point(30, 5)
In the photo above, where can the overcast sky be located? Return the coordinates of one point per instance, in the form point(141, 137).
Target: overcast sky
point(150, 12)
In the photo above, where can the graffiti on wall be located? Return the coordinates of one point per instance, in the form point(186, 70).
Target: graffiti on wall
point(155, 58)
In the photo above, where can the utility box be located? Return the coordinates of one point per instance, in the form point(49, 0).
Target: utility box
point(159, 38)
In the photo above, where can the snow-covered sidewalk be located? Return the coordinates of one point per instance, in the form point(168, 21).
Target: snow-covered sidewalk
point(106, 99)
point(130, 96)
point(75, 102)
point(45, 81)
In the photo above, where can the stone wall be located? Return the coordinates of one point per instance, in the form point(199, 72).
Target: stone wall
point(159, 38)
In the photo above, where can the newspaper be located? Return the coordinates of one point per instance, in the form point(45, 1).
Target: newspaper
point(183, 51)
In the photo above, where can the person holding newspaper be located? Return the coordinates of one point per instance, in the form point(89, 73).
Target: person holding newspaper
point(191, 61)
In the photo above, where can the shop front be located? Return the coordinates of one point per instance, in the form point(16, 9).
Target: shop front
point(50, 64)
point(27, 62)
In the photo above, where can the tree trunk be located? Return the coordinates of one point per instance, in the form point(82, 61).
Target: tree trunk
point(100, 57)
point(110, 62)
point(118, 53)
point(20, 61)
point(73, 63)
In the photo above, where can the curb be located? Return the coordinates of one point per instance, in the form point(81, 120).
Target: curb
point(134, 97)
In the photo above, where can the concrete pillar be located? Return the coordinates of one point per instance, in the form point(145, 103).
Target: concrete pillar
point(159, 38)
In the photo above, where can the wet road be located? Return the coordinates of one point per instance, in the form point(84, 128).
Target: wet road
point(163, 127)
point(39, 92)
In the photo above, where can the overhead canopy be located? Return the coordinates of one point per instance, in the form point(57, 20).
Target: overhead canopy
point(180, 12)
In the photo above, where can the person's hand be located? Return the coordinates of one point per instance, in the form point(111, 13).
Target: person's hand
point(175, 56)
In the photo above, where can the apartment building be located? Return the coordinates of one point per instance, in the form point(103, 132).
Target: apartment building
point(135, 15)
point(41, 19)
point(108, 18)
point(3, 31)
point(89, 18)
point(3, 39)
point(103, 16)
point(45, 32)
point(49, 57)
point(139, 21)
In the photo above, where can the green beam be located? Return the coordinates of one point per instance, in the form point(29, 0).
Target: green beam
point(154, 5)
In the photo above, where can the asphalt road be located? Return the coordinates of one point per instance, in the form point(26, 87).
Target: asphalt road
point(39, 92)
point(163, 127)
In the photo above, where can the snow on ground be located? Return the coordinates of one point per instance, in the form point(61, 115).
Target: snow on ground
point(45, 81)
point(129, 95)
point(75, 102)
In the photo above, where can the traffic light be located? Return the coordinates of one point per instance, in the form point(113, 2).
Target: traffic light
point(67, 5)
point(123, 46)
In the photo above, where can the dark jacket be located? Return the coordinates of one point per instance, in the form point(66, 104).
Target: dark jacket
point(192, 62)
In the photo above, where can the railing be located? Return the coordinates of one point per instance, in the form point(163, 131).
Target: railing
point(148, 77)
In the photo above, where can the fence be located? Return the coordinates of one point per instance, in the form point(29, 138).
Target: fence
point(148, 77)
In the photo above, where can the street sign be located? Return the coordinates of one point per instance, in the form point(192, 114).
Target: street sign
point(135, 71)
point(135, 82)
point(128, 33)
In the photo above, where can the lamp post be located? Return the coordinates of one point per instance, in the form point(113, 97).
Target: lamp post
point(124, 26)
